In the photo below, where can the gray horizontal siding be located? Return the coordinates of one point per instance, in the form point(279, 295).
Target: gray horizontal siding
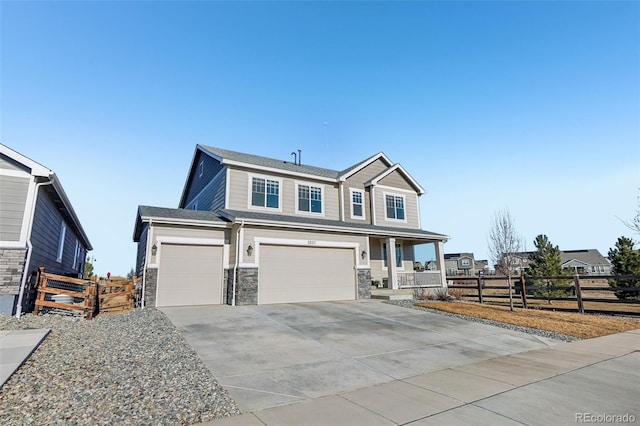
point(13, 199)
point(10, 164)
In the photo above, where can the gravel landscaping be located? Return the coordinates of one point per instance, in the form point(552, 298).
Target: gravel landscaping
point(132, 368)
point(534, 331)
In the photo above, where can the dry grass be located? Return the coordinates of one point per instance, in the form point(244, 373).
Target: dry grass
point(571, 324)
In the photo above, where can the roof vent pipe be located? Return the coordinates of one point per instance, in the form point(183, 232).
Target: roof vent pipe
point(299, 157)
point(295, 158)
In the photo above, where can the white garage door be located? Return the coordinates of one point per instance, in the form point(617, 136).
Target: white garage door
point(189, 275)
point(290, 274)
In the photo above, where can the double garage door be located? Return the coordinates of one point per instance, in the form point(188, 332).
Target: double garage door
point(291, 274)
point(193, 274)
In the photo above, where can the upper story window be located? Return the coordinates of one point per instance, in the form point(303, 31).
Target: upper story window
point(357, 204)
point(309, 198)
point(465, 262)
point(265, 193)
point(395, 207)
point(63, 233)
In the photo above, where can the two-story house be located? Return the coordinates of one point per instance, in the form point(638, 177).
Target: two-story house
point(257, 230)
point(38, 228)
point(464, 264)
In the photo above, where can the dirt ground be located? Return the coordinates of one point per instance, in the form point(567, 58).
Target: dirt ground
point(583, 326)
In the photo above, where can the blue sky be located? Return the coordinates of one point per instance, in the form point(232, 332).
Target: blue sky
point(531, 106)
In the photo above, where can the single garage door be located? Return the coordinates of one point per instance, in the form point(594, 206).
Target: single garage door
point(189, 275)
point(290, 274)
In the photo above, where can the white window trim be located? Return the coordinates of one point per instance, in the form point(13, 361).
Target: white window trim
point(384, 203)
point(351, 192)
point(63, 234)
point(250, 189)
point(386, 268)
point(323, 198)
point(201, 168)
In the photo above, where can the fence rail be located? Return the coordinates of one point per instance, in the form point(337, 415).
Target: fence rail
point(559, 293)
point(419, 279)
point(65, 293)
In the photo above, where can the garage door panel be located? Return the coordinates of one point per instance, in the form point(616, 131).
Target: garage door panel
point(190, 275)
point(305, 274)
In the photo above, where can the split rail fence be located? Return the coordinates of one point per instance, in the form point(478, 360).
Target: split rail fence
point(586, 293)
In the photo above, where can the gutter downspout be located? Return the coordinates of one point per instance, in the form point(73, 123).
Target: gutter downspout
point(27, 263)
point(237, 262)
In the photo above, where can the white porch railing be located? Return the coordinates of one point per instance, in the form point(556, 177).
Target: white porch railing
point(419, 279)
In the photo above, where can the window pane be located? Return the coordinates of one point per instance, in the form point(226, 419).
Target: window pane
point(391, 208)
point(357, 210)
point(258, 192)
point(356, 198)
point(316, 199)
point(399, 208)
point(303, 198)
point(398, 255)
point(384, 254)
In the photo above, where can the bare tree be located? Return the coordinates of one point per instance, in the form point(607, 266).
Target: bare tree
point(634, 224)
point(504, 244)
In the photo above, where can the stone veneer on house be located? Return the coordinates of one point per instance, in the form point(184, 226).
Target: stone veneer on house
point(364, 284)
point(150, 286)
point(11, 267)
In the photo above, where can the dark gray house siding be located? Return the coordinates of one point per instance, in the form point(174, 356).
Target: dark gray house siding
point(205, 189)
point(47, 226)
point(141, 253)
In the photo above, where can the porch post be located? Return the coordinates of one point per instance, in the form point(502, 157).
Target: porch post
point(392, 268)
point(441, 264)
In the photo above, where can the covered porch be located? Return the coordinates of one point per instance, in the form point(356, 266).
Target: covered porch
point(393, 268)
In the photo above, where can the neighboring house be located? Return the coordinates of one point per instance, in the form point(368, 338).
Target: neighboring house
point(584, 262)
point(38, 228)
point(464, 264)
point(292, 232)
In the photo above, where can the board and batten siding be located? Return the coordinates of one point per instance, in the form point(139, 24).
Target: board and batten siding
point(410, 209)
point(142, 250)
point(13, 200)
point(45, 237)
point(357, 181)
point(204, 188)
point(239, 193)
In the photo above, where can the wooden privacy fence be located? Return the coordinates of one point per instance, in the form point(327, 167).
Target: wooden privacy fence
point(586, 293)
point(70, 295)
point(80, 297)
point(116, 295)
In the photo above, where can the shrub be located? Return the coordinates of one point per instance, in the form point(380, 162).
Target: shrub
point(442, 294)
point(456, 293)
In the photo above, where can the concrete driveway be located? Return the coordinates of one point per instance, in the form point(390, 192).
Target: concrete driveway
point(271, 355)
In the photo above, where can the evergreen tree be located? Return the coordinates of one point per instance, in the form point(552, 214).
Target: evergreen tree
point(625, 260)
point(545, 262)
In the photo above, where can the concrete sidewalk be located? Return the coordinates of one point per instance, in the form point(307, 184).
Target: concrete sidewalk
point(15, 347)
point(565, 384)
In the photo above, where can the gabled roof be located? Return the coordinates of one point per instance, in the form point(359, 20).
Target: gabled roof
point(346, 173)
point(241, 159)
point(455, 256)
point(588, 256)
point(310, 223)
point(168, 215)
point(59, 196)
point(403, 172)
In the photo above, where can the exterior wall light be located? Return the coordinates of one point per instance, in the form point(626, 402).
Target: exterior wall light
point(363, 255)
point(249, 250)
point(154, 249)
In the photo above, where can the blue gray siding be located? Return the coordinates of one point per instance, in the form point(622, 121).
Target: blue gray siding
point(208, 189)
point(13, 199)
point(142, 249)
point(45, 236)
